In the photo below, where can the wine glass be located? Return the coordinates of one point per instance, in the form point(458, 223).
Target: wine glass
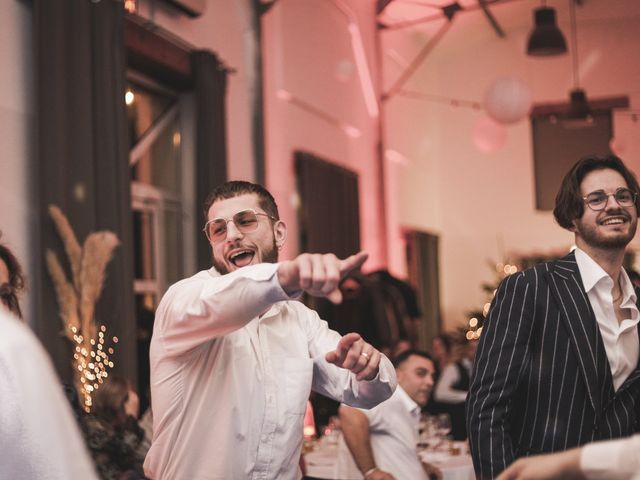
point(443, 422)
point(427, 433)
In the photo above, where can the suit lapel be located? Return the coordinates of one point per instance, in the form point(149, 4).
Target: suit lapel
point(575, 310)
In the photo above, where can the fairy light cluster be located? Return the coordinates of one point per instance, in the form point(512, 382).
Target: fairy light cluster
point(92, 359)
point(475, 323)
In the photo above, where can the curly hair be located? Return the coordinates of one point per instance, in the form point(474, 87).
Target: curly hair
point(10, 291)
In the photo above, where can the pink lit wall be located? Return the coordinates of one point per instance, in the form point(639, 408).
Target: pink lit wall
point(482, 206)
point(320, 86)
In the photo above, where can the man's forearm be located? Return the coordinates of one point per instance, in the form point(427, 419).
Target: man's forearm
point(355, 428)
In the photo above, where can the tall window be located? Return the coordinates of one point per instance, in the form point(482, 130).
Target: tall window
point(158, 170)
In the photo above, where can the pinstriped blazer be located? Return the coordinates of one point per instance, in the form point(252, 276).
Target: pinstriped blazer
point(541, 380)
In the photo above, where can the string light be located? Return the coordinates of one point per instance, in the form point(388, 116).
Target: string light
point(92, 363)
point(476, 320)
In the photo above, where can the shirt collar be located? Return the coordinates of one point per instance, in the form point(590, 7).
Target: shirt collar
point(592, 273)
point(408, 402)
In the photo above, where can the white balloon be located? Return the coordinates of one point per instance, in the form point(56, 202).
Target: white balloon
point(508, 100)
point(488, 135)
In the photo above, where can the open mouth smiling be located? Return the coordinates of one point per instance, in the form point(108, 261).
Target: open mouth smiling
point(615, 220)
point(241, 258)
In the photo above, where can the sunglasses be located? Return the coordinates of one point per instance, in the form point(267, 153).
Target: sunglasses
point(245, 221)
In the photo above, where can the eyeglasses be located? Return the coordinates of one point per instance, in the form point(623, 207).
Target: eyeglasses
point(245, 221)
point(598, 200)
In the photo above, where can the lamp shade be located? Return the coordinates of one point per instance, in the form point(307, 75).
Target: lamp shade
point(578, 105)
point(546, 38)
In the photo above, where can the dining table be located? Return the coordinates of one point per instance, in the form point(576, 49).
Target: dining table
point(326, 460)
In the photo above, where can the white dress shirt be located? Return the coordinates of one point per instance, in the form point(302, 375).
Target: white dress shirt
point(612, 459)
point(444, 391)
point(620, 338)
point(229, 387)
point(39, 437)
point(393, 430)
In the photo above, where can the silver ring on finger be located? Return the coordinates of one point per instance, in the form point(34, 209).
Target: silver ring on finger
point(365, 355)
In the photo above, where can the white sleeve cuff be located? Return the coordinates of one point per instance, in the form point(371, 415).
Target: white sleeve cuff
point(611, 459)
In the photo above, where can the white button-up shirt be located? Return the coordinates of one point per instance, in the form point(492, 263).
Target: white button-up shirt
point(229, 387)
point(611, 459)
point(620, 338)
point(393, 431)
point(39, 436)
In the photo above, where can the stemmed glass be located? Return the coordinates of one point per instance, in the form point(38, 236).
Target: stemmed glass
point(427, 432)
point(444, 425)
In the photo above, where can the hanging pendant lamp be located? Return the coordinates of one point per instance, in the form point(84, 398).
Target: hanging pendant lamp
point(546, 39)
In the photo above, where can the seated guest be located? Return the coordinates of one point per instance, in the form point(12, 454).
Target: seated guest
point(452, 388)
point(39, 437)
point(112, 431)
point(11, 281)
point(383, 440)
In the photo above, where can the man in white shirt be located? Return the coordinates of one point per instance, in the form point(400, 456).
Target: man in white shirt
point(39, 437)
point(607, 460)
point(557, 363)
point(383, 440)
point(233, 359)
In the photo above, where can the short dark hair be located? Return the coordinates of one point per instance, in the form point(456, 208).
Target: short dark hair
point(404, 356)
point(235, 188)
point(10, 291)
point(569, 203)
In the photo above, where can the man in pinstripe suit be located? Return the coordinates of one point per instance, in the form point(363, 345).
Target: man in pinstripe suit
point(557, 364)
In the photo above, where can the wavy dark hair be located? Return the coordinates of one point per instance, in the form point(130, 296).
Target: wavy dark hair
point(569, 202)
point(110, 398)
point(235, 188)
point(10, 291)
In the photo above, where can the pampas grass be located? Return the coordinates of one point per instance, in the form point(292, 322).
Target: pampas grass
point(77, 300)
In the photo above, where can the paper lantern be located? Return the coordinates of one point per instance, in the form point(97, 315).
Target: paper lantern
point(508, 100)
point(617, 146)
point(488, 135)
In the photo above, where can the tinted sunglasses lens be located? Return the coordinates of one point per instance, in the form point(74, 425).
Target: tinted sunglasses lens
point(245, 221)
point(216, 230)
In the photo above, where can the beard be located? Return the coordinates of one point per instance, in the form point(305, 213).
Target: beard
point(596, 239)
point(268, 255)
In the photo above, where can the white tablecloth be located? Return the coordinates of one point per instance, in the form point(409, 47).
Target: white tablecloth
point(322, 462)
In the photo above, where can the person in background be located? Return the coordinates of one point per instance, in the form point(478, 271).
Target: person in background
point(453, 385)
point(400, 347)
point(557, 362)
point(383, 440)
point(441, 349)
point(112, 431)
point(233, 358)
point(11, 281)
point(39, 437)
point(442, 354)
